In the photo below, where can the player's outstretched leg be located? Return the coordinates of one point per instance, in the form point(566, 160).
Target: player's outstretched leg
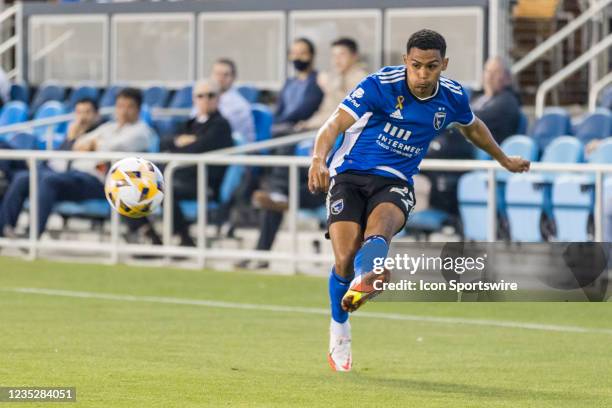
point(339, 357)
point(362, 287)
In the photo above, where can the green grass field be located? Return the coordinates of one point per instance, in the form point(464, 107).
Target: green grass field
point(155, 352)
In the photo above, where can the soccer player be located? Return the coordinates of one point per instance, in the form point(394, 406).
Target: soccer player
point(388, 121)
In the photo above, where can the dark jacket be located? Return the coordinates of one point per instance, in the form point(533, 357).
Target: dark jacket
point(298, 100)
point(213, 134)
point(501, 113)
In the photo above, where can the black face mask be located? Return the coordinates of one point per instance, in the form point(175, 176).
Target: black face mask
point(301, 65)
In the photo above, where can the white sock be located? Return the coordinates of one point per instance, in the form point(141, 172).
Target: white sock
point(340, 329)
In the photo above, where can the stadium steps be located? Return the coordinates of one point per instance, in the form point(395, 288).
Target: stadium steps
point(532, 23)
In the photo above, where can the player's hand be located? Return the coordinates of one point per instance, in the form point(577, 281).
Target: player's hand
point(318, 176)
point(516, 164)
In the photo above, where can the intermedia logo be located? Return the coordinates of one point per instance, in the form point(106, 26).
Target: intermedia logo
point(397, 132)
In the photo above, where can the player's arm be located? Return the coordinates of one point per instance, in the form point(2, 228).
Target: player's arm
point(478, 133)
point(318, 173)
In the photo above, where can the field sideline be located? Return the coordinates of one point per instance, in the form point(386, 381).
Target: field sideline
point(153, 337)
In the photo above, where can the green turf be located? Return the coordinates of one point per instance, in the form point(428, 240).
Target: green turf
point(138, 354)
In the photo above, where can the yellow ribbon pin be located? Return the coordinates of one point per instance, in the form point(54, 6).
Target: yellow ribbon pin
point(400, 103)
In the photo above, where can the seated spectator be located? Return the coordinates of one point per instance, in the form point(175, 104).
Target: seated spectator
point(301, 95)
point(232, 105)
point(346, 74)
point(499, 106)
point(83, 178)
point(207, 131)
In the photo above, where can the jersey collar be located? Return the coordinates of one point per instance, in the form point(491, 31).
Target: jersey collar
point(416, 98)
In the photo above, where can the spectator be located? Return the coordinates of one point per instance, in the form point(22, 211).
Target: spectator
point(84, 178)
point(499, 106)
point(207, 131)
point(301, 95)
point(233, 106)
point(345, 76)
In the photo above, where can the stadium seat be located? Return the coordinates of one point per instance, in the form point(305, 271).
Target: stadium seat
point(22, 141)
point(572, 199)
point(554, 122)
point(603, 153)
point(472, 194)
point(182, 98)
point(12, 113)
point(605, 100)
point(564, 149)
point(517, 145)
point(20, 92)
point(427, 221)
point(145, 114)
point(523, 124)
point(47, 93)
point(156, 96)
point(109, 96)
point(47, 110)
point(79, 93)
point(249, 93)
point(525, 201)
point(596, 125)
point(263, 118)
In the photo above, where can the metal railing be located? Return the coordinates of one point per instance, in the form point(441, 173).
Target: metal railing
point(567, 71)
point(13, 42)
point(201, 253)
point(596, 90)
point(559, 36)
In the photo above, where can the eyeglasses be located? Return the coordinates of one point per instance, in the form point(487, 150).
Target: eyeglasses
point(208, 95)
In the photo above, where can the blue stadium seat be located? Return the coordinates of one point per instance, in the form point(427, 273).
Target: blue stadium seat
point(12, 113)
point(20, 92)
point(572, 199)
point(564, 149)
point(156, 96)
point(90, 209)
point(523, 124)
point(182, 98)
point(22, 141)
point(596, 125)
point(250, 93)
point(427, 221)
point(82, 92)
point(47, 93)
point(605, 100)
point(263, 118)
point(145, 115)
point(517, 145)
point(109, 96)
point(603, 153)
point(525, 201)
point(47, 110)
point(554, 122)
point(472, 194)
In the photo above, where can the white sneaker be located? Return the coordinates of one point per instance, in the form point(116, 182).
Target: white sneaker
point(340, 357)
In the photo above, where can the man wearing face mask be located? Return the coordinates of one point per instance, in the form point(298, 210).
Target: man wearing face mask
point(301, 96)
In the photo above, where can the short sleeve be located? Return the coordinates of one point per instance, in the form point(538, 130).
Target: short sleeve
point(362, 99)
point(465, 116)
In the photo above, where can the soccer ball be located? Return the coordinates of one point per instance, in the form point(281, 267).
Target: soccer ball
point(134, 187)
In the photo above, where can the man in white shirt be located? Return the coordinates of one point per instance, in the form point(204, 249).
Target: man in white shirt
point(233, 106)
point(84, 180)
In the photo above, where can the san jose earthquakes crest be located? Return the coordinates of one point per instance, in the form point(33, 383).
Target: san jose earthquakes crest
point(438, 120)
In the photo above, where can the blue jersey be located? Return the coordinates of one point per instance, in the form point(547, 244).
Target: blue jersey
point(393, 127)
